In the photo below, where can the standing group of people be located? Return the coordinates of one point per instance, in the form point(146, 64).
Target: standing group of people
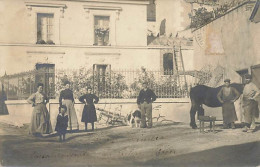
point(228, 95)
point(67, 117)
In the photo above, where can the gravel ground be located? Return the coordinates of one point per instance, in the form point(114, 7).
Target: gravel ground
point(168, 144)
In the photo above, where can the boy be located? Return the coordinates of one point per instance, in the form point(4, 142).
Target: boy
point(62, 122)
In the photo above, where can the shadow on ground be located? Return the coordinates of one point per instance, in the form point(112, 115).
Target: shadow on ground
point(235, 155)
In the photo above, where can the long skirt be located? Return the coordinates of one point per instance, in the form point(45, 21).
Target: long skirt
point(89, 114)
point(3, 108)
point(229, 112)
point(251, 110)
point(73, 120)
point(40, 122)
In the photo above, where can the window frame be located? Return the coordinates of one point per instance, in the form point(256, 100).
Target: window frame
point(114, 16)
point(53, 34)
point(165, 55)
point(94, 34)
point(33, 8)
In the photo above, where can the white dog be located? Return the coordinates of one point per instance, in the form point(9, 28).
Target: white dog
point(134, 119)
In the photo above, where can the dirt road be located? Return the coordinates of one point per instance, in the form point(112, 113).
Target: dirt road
point(173, 144)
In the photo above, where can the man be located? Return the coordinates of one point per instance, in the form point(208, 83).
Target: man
point(144, 100)
point(250, 104)
point(227, 96)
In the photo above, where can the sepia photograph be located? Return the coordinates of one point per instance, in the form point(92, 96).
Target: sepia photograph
point(129, 83)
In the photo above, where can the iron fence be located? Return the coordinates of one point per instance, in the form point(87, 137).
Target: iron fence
point(21, 86)
point(105, 84)
point(124, 83)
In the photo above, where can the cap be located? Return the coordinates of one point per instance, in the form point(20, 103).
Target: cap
point(66, 82)
point(227, 80)
point(247, 76)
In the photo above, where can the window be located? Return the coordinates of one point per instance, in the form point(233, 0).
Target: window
point(151, 11)
point(101, 30)
point(101, 78)
point(45, 28)
point(168, 63)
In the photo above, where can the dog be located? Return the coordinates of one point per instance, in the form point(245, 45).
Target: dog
point(134, 119)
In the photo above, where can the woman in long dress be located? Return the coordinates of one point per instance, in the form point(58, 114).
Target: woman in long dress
point(3, 98)
point(40, 121)
point(67, 99)
point(89, 112)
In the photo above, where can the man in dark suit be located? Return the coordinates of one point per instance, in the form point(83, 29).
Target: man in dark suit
point(145, 99)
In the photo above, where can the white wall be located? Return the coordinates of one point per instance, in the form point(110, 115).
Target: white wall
point(76, 27)
point(177, 110)
point(231, 41)
point(16, 59)
point(176, 14)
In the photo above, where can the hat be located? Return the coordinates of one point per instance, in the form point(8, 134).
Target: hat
point(247, 76)
point(66, 82)
point(227, 80)
point(39, 84)
point(145, 82)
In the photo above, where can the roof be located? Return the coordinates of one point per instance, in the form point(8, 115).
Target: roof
point(187, 43)
point(255, 16)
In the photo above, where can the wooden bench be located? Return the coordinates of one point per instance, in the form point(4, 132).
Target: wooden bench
point(209, 119)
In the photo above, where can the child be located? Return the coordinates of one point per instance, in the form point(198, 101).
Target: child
point(62, 122)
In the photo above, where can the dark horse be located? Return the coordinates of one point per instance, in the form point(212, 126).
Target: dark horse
point(202, 94)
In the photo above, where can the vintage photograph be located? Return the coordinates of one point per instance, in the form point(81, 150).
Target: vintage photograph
point(129, 83)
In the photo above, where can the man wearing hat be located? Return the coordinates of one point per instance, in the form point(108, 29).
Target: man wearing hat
point(144, 100)
point(250, 105)
point(227, 96)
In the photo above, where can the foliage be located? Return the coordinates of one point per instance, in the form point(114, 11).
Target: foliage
point(101, 32)
point(105, 86)
point(49, 42)
point(203, 17)
point(166, 85)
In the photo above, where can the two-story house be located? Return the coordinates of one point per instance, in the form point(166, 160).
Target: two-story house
point(76, 33)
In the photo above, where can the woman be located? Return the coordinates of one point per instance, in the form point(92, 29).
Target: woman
point(227, 96)
point(3, 98)
point(89, 112)
point(67, 99)
point(40, 122)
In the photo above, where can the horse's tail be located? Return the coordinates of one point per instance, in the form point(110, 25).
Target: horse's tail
point(191, 93)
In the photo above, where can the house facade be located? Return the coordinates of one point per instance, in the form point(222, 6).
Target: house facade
point(169, 17)
point(231, 41)
point(76, 33)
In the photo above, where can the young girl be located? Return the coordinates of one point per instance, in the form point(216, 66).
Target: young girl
point(62, 122)
point(89, 112)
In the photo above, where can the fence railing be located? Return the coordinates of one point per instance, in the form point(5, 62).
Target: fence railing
point(21, 86)
point(105, 83)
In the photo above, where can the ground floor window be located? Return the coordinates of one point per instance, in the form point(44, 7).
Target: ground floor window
point(168, 63)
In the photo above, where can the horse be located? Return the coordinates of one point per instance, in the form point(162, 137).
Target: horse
point(202, 94)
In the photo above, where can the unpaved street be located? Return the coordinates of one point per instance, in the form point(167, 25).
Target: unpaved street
point(172, 144)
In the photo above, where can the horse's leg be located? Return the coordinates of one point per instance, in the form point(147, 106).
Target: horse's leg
point(200, 111)
point(193, 111)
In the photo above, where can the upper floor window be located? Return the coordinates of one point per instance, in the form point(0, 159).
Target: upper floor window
point(101, 30)
point(45, 28)
point(151, 11)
